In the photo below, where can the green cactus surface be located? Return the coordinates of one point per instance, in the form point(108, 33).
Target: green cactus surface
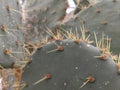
point(68, 65)
point(42, 47)
point(42, 15)
point(101, 17)
point(10, 33)
point(11, 40)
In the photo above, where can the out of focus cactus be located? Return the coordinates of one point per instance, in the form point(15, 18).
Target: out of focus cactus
point(11, 51)
point(11, 33)
point(41, 15)
point(99, 18)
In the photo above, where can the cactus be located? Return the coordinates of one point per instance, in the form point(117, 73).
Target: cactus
point(11, 40)
point(41, 15)
point(66, 63)
point(71, 64)
point(99, 18)
point(10, 33)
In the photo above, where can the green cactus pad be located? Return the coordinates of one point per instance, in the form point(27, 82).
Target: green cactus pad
point(41, 15)
point(10, 19)
point(67, 67)
point(101, 17)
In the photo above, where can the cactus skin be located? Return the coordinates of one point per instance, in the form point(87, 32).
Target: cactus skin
point(10, 21)
point(99, 18)
point(41, 15)
point(70, 68)
point(10, 35)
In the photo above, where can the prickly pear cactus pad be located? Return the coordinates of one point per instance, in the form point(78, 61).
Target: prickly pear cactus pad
point(10, 32)
point(101, 17)
point(71, 65)
point(41, 15)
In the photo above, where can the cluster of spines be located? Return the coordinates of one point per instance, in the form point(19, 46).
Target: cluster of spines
point(103, 44)
point(104, 48)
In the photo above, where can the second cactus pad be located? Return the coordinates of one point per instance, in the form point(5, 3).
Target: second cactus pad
point(71, 65)
point(101, 17)
point(41, 15)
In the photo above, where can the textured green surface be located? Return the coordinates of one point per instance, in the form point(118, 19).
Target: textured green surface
point(8, 39)
point(42, 15)
point(70, 68)
point(101, 17)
